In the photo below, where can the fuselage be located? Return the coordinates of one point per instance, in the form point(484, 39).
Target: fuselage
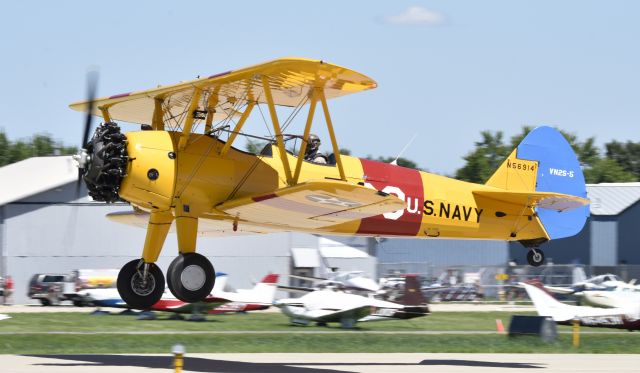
point(200, 179)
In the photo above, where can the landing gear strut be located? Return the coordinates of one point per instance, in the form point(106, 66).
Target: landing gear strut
point(190, 277)
point(140, 284)
point(535, 257)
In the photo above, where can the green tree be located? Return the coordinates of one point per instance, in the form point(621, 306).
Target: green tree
point(254, 146)
point(37, 146)
point(19, 150)
point(404, 162)
point(607, 171)
point(627, 155)
point(487, 156)
point(4, 149)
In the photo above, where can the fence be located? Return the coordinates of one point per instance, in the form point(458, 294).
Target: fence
point(497, 281)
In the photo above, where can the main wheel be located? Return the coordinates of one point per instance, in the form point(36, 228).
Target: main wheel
point(535, 257)
point(191, 277)
point(137, 291)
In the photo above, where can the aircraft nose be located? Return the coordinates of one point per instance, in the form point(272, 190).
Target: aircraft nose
point(107, 163)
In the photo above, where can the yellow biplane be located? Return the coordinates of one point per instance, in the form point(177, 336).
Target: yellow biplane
point(181, 171)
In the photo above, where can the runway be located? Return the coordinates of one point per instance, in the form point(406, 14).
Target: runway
point(322, 363)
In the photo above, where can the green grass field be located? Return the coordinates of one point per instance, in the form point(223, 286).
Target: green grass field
point(31, 333)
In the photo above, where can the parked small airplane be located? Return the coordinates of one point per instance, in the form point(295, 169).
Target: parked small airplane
point(327, 305)
point(625, 317)
point(350, 280)
point(601, 282)
point(606, 290)
point(219, 301)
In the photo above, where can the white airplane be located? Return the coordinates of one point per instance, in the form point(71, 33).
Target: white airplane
point(326, 305)
point(604, 282)
point(350, 280)
point(627, 317)
point(219, 301)
point(606, 290)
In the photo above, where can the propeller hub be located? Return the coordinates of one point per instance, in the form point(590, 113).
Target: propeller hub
point(82, 158)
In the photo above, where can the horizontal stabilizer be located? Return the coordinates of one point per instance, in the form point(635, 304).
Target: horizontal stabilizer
point(545, 200)
point(313, 204)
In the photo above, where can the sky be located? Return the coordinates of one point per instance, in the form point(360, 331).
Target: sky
point(446, 70)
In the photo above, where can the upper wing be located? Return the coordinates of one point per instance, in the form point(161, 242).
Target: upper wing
point(546, 200)
point(290, 80)
point(313, 204)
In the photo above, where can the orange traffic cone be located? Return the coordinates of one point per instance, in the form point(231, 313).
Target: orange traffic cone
point(499, 326)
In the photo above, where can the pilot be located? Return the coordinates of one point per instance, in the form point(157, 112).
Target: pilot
point(312, 154)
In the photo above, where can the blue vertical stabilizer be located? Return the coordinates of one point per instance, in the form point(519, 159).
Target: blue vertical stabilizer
point(558, 171)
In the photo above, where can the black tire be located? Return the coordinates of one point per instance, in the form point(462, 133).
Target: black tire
point(172, 265)
point(535, 257)
point(131, 289)
point(191, 277)
point(45, 302)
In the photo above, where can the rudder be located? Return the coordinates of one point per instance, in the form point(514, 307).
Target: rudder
point(545, 162)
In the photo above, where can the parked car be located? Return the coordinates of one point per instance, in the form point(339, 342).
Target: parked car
point(47, 287)
point(1, 286)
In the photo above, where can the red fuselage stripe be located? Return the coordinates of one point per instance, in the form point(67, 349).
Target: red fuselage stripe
point(399, 181)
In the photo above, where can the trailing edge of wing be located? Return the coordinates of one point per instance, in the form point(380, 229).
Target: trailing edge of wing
point(313, 204)
point(545, 200)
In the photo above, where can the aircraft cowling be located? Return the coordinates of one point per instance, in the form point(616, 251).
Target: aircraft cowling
point(107, 163)
point(151, 170)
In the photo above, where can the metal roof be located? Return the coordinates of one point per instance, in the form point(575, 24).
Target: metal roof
point(612, 198)
point(35, 175)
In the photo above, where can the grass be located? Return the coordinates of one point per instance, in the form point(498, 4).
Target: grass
point(14, 340)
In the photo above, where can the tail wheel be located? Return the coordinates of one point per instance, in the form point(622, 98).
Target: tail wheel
point(139, 288)
point(535, 257)
point(191, 277)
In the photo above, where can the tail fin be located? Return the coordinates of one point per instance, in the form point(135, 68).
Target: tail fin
point(544, 164)
point(265, 291)
point(271, 278)
point(221, 282)
point(412, 293)
point(545, 304)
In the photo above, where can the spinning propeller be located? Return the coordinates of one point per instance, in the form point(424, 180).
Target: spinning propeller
point(83, 157)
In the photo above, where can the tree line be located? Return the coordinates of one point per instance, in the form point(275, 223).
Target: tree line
point(617, 162)
point(39, 145)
